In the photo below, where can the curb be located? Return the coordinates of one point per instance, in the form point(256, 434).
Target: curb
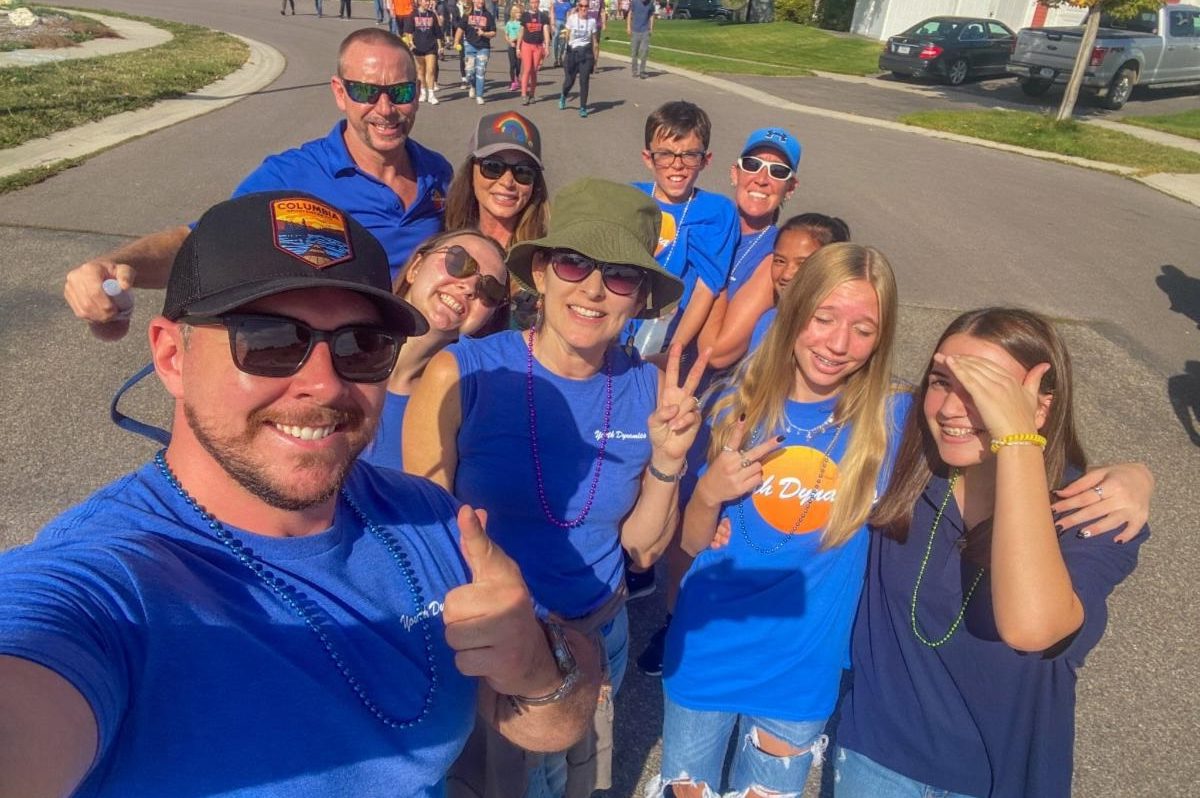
point(261, 68)
point(134, 35)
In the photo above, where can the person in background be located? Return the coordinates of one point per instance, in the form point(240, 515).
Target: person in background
point(424, 31)
point(382, 12)
point(284, 6)
point(534, 41)
point(598, 12)
point(581, 37)
point(344, 10)
point(980, 601)
point(561, 9)
point(475, 36)
point(512, 36)
point(639, 25)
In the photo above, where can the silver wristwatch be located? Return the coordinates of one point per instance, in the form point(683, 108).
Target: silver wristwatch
point(567, 666)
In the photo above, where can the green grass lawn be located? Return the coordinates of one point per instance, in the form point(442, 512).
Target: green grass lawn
point(1041, 132)
point(72, 29)
point(776, 48)
point(1186, 123)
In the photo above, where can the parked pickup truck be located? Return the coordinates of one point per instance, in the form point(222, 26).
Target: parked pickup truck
point(1156, 48)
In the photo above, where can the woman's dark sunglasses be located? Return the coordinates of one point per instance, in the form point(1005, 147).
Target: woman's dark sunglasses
point(494, 168)
point(276, 346)
point(369, 93)
point(459, 263)
point(752, 165)
point(574, 268)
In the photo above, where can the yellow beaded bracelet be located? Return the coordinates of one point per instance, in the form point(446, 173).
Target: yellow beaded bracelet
point(1019, 439)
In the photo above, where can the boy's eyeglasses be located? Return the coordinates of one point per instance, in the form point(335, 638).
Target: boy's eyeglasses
point(752, 165)
point(524, 172)
point(575, 268)
point(691, 158)
point(369, 93)
point(458, 263)
point(278, 346)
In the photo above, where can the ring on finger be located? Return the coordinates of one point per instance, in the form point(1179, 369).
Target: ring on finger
point(728, 449)
point(745, 462)
point(696, 399)
point(1099, 492)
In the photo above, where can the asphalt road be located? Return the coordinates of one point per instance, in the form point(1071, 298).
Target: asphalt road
point(1117, 263)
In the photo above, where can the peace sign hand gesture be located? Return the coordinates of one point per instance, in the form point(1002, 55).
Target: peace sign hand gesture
point(735, 472)
point(676, 420)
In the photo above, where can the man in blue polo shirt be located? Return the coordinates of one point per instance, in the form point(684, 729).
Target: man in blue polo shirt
point(367, 165)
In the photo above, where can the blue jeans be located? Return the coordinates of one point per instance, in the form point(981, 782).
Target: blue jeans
point(476, 65)
point(317, 3)
point(856, 776)
point(694, 744)
point(550, 780)
point(380, 15)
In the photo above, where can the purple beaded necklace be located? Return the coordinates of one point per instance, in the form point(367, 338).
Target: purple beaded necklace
point(533, 442)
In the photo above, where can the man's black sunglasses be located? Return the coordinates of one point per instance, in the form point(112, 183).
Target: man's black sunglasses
point(278, 346)
point(524, 172)
point(459, 264)
point(369, 93)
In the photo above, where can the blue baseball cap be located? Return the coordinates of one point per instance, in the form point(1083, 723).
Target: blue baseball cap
point(777, 139)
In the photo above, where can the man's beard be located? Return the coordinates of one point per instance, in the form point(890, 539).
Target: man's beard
point(232, 456)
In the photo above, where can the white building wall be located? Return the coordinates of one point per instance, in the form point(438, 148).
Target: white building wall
point(880, 19)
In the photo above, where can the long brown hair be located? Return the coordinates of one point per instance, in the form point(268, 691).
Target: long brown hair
point(462, 208)
point(1030, 340)
point(764, 380)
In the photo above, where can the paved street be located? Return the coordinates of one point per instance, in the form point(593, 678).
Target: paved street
point(1116, 262)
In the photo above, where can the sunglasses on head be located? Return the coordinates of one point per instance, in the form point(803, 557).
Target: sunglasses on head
point(524, 172)
point(277, 346)
point(369, 93)
point(753, 165)
point(575, 268)
point(458, 263)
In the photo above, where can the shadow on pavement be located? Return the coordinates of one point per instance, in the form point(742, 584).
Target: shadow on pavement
point(1183, 389)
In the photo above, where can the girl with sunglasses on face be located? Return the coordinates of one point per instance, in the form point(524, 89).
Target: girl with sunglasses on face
point(457, 280)
point(802, 443)
point(572, 444)
point(980, 602)
point(500, 190)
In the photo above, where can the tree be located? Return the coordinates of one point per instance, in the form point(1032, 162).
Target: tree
point(1116, 8)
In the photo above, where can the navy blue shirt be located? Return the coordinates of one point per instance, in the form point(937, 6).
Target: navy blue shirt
point(324, 168)
point(973, 716)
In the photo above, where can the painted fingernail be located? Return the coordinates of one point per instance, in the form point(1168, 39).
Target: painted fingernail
point(1084, 533)
point(742, 417)
point(1058, 528)
point(780, 438)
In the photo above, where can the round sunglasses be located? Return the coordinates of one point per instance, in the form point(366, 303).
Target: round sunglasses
point(575, 268)
point(524, 172)
point(279, 346)
point(752, 165)
point(369, 93)
point(458, 263)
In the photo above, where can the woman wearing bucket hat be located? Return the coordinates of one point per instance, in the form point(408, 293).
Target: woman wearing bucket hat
point(501, 190)
point(572, 444)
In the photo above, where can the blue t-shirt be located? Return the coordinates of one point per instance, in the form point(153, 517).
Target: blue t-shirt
point(751, 250)
point(204, 682)
point(561, 9)
point(640, 12)
point(762, 625)
point(569, 571)
point(760, 329)
point(386, 449)
point(973, 715)
point(699, 249)
point(324, 168)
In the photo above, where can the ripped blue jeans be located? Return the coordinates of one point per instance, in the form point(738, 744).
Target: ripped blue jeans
point(476, 61)
point(695, 741)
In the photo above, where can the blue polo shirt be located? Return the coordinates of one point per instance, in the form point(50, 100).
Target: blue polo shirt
point(324, 168)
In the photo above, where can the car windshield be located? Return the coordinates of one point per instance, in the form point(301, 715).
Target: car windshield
point(942, 28)
point(1146, 22)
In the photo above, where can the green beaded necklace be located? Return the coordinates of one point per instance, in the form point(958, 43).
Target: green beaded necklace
point(937, 519)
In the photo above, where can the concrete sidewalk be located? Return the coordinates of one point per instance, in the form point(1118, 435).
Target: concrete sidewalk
point(133, 36)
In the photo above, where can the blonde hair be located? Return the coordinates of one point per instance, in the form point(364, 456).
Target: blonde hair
point(764, 380)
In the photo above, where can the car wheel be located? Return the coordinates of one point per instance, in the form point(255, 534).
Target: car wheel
point(957, 72)
point(1036, 87)
point(1120, 89)
point(683, 13)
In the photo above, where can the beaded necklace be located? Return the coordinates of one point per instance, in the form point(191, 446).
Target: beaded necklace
point(747, 250)
point(804, 508)
point(678, 228)
point(937, 519)
point(293, 598)
point(533, 442)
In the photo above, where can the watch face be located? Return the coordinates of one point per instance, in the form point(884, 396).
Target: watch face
point(558, 646)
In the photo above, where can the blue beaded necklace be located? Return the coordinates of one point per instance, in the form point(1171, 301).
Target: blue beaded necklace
point(289, 595)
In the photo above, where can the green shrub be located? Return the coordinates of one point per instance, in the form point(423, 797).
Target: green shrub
point(836, 14)
point(800, 11)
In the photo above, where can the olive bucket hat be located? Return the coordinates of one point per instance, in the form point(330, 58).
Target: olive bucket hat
point(610, 223)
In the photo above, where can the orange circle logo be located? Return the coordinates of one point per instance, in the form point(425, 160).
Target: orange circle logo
point(666, 233)
point(789, 480)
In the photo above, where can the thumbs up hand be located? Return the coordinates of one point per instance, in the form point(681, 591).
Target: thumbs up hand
point(490, 622)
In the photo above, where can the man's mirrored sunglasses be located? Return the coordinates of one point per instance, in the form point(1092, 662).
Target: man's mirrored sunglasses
point(369, 93)
point(575, 268)
point(459, 264)
point(523, 172)
point(752, 165)
point(278, 346)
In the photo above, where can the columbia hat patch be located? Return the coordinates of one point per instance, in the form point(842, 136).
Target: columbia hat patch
point(311, 231)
